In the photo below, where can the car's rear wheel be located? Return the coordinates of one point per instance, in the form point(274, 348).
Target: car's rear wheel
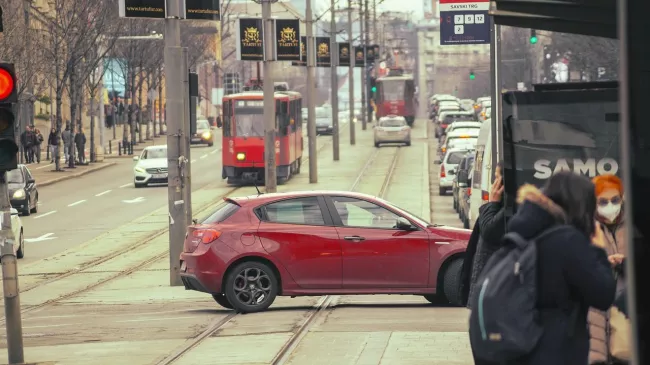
point(21, 246)
point(222, 300)
point(451, 281)
point(251, 287)
point(455, 205)
point(210, 144)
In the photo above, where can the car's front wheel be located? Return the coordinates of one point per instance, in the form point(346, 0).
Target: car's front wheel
point(222, 300)
point(451, 281)
point(251, 287)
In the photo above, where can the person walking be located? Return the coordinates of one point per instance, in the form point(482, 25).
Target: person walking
point(66, 137)
point(27, 141)
point(80, 143)
point(609, 343)
point(53, 141)
point(572, 273)
point(38, 139)
point(486, 237)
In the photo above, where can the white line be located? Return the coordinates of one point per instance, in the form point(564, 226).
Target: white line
point(155, 319)
point(77, 203)
point(103, 193)
point(45, 214)
point(193, 161)
point(125, 185)
point(204, 156)
point(215, 151)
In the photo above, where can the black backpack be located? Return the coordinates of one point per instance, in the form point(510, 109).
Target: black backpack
point(504, 324)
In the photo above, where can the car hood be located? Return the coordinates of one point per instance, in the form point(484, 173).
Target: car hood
point(154, 162)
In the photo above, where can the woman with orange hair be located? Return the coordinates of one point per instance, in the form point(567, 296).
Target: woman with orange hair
point(609, 342)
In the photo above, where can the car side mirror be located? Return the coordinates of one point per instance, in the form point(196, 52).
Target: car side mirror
point(404, 224)
point(136, 158)
point(31, 181)
point(13, 211)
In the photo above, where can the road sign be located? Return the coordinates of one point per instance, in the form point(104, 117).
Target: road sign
point(464, 22)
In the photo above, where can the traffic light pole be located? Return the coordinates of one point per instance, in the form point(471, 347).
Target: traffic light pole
point(175, 102)
point(335, 82)
point(270, 172)
point(311, 95)
point(13, 320)
point(366, 85)
point(364, 42)
point(351, 76)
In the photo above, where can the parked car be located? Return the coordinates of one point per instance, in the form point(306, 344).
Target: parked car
point(392, 129)
point(458, 137)
point(151, 166)
point(448, 168)
point(463, 125)
point(255, 248)
point(23, 192)
point(19, 239)
point(203, 133)
point(462, 166)
point(324, 123)
point(446, 118)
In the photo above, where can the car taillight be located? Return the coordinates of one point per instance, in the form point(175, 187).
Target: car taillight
point(206, 235)
point(444, 126)
point(485, 196)
point(442, 171)
point(469, 191)
point(443, 149)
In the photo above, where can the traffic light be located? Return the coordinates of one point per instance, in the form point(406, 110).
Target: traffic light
point(373, 85)
point(8, 98)
point(471, 75)
point(533, 36)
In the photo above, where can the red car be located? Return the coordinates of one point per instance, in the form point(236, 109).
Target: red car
point(255, 248)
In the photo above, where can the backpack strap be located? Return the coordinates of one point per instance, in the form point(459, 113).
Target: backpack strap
point(517, 239)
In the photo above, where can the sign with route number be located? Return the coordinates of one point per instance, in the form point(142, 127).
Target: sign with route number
point(464, 22)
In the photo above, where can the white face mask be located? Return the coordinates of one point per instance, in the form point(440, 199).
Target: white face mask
point(609, 211)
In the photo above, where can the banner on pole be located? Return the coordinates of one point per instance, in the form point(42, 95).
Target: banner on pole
point(153, 9)
point(287, 40)
point(323, 52)
point(344, 54)
point(250, 39)
point(202, 10)
point(359, 59)
point(303, 53)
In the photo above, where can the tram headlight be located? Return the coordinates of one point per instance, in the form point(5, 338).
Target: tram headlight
point(241, 156)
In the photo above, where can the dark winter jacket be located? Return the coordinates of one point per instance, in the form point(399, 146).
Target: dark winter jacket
point(53, 139)
point(573, 274)
point(80, 140)
point(484, 241)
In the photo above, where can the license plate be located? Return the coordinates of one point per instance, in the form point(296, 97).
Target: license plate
point(159, 176)
point(183, 266)
point(196, 139)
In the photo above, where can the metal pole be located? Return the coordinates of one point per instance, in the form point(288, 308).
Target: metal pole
point(13, 320)
point(364, 41)
point(174, 100)
point(185, 140)
point(335, 83)
point(311, 95)
point(375, 36)
point(351, 76)
point(100, 91)
point(366, 85)
point(270, 169)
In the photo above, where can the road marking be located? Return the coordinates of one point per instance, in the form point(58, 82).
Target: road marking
point(125, 185)
point(77, 203)
point(132, 201)
point(103, 193)
point(204, 156)
point(45, 214)
point(215, 151)
point(193, 161)
point(155, 319)
point(44, 237)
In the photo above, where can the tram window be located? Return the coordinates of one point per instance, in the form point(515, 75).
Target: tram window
point(249, 125)
point(227, 119)
point(392, 90)
point(293, 107)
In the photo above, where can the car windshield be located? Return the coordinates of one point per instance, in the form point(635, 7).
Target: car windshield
point(152, 153)
point(202, 124)
point(15, 177)
point(455, 157)
point(249, 125)
point(323, 113)
point(450, 118)
point(392, 122)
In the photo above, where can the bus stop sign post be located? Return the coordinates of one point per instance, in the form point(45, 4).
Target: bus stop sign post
point(464, 22)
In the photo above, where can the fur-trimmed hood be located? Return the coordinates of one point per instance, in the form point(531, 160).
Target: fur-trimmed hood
point(535, 212)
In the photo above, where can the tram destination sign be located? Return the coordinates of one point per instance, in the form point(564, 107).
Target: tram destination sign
point(464, 22)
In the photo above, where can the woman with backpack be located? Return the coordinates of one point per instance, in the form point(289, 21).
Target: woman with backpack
point(534, 294)
point(609, 330)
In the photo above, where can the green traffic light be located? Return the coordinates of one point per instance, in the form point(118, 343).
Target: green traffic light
point(472, 76)
point(374, 89)
point(533, 39)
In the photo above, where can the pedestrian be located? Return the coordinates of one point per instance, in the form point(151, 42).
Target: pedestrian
point(38, 139)
point(609, 343)
point(71, 147)
point(67, 142)
point(53, 141)
point(80, 143)
point(571, 273)
point(486, 237)
point(26, 140)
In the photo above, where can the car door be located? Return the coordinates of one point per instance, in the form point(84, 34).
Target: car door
point(375, 253)
point(299, 233)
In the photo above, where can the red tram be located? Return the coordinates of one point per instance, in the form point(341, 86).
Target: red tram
point(396, 95)
point(243, 136)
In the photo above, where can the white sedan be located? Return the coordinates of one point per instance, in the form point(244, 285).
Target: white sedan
point(151, 166)
point(392, 129)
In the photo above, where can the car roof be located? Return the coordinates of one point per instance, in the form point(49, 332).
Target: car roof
point(271, 197)
point(470, 131)
point(156, 147)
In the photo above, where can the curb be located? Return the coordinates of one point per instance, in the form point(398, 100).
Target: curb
point(77, 174)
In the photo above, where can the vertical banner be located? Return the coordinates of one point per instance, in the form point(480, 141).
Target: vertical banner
point(376, 50)
point(359, 59)
point(303, 53)
point(250, 39)
point(287, 40)
point(344, 54)
point(202, 10)
point(323, 54)
point(153, 9)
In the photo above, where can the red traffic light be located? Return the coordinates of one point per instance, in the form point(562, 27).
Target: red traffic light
point(7, 83)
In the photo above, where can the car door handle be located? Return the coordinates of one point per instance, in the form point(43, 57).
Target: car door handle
point(354, 238)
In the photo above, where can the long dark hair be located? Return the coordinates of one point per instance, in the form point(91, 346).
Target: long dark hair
point(576, 195)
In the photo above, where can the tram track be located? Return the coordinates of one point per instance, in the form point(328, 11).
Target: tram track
point(318, 310)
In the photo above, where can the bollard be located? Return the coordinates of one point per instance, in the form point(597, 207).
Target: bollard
point(119, 148)
point(110, 147)
point(131, 148)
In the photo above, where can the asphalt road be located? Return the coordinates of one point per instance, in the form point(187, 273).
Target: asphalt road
point(77, 210)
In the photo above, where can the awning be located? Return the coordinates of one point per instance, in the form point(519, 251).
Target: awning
point(587, 17)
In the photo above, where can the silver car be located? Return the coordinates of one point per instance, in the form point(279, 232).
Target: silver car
point(151, 166)
point(392, 129)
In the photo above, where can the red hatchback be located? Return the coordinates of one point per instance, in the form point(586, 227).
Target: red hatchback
point(319, 243)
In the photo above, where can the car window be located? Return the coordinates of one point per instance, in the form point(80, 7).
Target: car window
point(455, 157)
point(28, 173)
point(361, 213)
point(202, 124)
point(392, 122)
point(296, 211)
point(15, 176)
point(151, 153)
point(224, 211)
